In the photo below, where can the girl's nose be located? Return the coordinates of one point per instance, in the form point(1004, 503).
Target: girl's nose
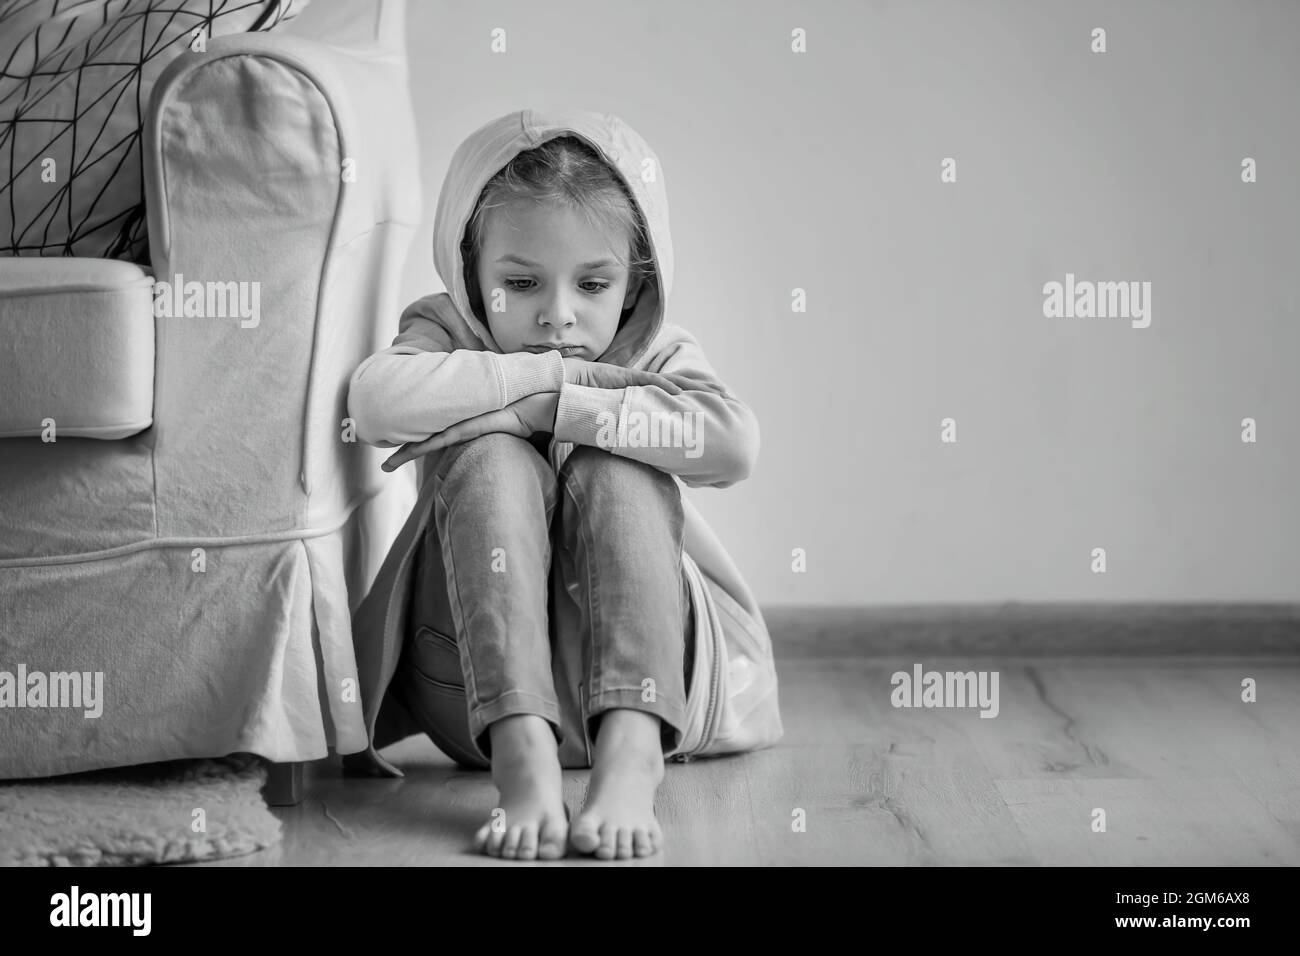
point(557, 313)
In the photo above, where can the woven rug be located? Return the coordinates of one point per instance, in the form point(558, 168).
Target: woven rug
point(174, 812)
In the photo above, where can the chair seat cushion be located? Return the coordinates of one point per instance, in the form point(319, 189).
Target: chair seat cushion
point(76, 348)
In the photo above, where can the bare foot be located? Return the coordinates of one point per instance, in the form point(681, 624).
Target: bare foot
point(618, 819)
point(529, 822)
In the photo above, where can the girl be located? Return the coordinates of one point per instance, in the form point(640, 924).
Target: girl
point(554, 601)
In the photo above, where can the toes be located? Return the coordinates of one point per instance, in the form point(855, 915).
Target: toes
point(527, 848)
point(524, 841)
point(510, 846)
point(585, 834)
point(553, 837)
point(607, 848)
point(494, 835)
point(496, 839)
point(608, 841)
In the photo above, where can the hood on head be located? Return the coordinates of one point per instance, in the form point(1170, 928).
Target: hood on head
point(491, 147)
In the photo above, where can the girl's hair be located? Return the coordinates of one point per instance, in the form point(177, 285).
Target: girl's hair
point(568, 172)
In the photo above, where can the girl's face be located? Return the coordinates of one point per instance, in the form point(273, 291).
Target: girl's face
point(550, 280)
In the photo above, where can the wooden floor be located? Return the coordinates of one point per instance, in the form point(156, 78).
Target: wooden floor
point(1186, 772)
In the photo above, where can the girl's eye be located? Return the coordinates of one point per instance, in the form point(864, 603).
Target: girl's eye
point(591, 286)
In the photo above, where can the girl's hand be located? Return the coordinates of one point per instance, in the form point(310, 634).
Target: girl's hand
point(531, 414)
point(604, 375)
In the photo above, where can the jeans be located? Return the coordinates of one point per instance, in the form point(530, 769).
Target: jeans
point(561, 596)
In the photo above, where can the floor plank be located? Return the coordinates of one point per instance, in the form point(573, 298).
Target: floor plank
point(1206, 822)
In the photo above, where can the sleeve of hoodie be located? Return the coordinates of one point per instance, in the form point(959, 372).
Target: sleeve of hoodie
point(703, 438)
point(427, 381)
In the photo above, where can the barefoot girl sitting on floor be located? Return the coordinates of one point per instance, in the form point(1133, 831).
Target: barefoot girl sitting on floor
point(553, 596)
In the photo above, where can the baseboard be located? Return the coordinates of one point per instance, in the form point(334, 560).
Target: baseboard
point(1051, 629)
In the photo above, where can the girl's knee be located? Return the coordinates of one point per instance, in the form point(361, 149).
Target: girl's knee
point(594, 466)
point(497, 454)
point(611, 491)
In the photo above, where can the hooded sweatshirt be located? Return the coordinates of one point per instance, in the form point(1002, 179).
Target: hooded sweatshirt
point(445, 367)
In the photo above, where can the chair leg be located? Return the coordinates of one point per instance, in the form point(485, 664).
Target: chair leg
point(284, 784)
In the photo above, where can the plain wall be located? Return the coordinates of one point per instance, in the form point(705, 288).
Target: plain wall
point(821, 171)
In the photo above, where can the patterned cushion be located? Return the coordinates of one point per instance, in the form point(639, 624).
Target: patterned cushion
point(75, 79)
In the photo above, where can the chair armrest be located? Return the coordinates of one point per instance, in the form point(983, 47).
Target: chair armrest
point(246, 183)
point(76, 348)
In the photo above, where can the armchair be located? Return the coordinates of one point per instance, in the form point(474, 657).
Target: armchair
point(202, 524)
